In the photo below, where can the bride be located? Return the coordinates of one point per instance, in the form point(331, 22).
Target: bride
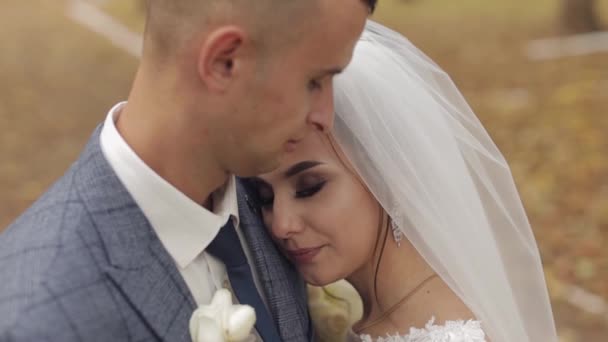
point(409, 200)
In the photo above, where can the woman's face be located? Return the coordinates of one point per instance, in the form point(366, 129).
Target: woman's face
point(318, 211)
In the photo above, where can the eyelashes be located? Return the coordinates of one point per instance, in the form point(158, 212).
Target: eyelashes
point(310, 191)
point(305, 192)
point(314, 85)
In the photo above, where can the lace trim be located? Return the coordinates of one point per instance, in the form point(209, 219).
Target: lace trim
point(451, 331)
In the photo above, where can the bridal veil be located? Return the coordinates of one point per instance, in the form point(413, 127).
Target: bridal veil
point(430, 163)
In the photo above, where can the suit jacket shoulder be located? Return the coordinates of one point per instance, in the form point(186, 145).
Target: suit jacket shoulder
point(77, 263)
point(83, 263)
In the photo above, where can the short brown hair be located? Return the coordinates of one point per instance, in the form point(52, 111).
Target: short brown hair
point(171, 23)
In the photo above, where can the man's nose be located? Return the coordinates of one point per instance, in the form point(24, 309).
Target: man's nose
point(322, 115)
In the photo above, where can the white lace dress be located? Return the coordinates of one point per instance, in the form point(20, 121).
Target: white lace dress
point(451, 331)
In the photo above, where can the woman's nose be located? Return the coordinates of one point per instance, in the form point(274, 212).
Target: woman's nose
point(285, 221)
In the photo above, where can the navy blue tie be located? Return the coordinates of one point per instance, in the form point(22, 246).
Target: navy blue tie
point(227, 247)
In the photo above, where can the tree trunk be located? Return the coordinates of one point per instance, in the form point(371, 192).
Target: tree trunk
point(578, 16)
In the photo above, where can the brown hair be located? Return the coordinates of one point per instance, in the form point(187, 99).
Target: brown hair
point(383, 225)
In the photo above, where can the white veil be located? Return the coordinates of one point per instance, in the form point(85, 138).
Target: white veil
point(430, 163)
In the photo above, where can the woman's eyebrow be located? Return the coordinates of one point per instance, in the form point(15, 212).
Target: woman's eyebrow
point(300, 167)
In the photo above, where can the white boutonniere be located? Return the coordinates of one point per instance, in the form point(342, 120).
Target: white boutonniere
point(334, 308)
point(222, 321)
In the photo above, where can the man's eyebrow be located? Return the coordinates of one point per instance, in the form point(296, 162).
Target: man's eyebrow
point(300, 167)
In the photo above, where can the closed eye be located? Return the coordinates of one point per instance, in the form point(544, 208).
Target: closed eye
point(310, 191)
point(314, 85)
point(266, 201)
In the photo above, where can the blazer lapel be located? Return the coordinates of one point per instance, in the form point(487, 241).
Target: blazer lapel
point(284, 289)
point(138, 263)
point(159, 295)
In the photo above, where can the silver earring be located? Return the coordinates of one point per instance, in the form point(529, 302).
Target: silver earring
point(397, 233)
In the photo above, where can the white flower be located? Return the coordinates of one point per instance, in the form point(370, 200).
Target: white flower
point(222, 321)
point(333, 309)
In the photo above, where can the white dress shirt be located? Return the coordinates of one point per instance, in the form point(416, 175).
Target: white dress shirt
point(184, 227)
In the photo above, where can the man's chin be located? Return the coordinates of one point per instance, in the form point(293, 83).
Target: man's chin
point(260, 167)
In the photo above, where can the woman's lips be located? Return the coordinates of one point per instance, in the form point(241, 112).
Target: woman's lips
point(303, 255)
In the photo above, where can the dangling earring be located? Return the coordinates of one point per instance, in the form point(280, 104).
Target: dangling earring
point(397, 233)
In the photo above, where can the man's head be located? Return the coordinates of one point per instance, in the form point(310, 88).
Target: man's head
point(245, 80)
point(170, 24)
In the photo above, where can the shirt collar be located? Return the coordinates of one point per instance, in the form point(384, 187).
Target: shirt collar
point(184, 227)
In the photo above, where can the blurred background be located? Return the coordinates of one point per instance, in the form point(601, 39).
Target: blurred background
point(535, 72)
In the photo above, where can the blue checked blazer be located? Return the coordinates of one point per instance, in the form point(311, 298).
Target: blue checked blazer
point(83, 264)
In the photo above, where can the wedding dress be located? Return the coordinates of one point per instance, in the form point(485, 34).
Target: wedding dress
point(450, 331)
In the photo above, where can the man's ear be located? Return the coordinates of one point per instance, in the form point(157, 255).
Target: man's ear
point(219, 57)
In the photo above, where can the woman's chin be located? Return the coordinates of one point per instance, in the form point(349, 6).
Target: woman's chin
point(319, 279)
point(323, 270)
point(316, 282)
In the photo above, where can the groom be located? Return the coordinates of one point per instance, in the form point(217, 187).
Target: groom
point(145, 226)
